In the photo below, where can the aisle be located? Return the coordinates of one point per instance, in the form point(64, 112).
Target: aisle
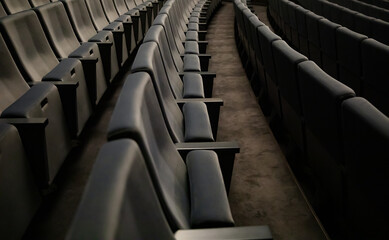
point(263, 190)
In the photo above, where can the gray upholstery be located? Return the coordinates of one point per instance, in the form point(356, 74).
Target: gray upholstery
point(2, 10)
point(64, 43)
point(85, 31)
point(197, 124)
point(143, 123)
point(30, 48)
point(122, 9)
point(313, 36)
point(119, 201)
point(20, 198)
point(37, 3)
point(327, 31)
point(193, 86)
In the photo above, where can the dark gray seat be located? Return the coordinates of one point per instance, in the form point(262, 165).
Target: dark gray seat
point(29, 47)
point(2, 10)
point(144, 14)
point(363, 24)
point(120, 203)
point(137, 23)
point(366, 138)
point(302, 30)
point(375, 71)
point(37, 113)
point(184, 207)
point(314, 37)
point(128, 24)
point(267, 37)
point(286, 60)
point(258, 80)
point(14, 6)
point(293, 24)
point(64, 43)
point(149, 60)
point(327, 31)
point(348, 47)
point(20, 197)
point(100, 22)
point(86, 32)
point(321, 98)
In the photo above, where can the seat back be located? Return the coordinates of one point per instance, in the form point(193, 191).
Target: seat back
point(97, 14)
point(130, 4)
point(12, 84)
point(148, 59)
point(156, 33)
point(121, 6)
point(375, 84)
point(380, 31)
point(14, 6)
point(302, 30)
point(58, 29)
point(363, 24)
point(145, 124)
point(348, 47)
point(110, 10)
point(37, 3)
point(28, 44)
point(366, 138)
point(313, 37)
point(80, 19)
point(119, 201)
point(20, 198)
point(327, 30)
point(2, 10)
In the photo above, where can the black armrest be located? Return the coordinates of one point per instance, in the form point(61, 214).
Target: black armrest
point(225, 150)
point(232, 233)
point(204, 61)
point(208, 78)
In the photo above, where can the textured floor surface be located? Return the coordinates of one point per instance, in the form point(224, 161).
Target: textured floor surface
point(263, 190)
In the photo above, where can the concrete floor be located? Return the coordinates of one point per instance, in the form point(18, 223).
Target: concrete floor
point(263, 189)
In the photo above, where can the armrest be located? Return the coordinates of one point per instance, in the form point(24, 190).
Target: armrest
point(206, 85)
point(208, 78)
point(197, 123)
point(204, 61)
point(231, 233)
point(209, 201)
point(192, 63)
point(226, 152)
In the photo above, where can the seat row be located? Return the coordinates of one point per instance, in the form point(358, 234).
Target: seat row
point(57, 61)
point(354, 20)
point(365, 8)
point(351, 58)
point(162, 171)
point(379, 3)
point(342, 139)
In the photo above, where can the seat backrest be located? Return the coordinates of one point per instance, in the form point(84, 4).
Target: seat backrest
point(12, 84)
point(110, 10)
point(146, 126)
point(148, 59)
point(20, 198)
point(363, 24)
point(119, 201)
point(366, 139)
point(156, 33)
point(175, 44)
point(254, 24)
point(97, 14)
point(121, 6)
point(348, 47)
point(313, 28)
point(58, 28)
point(28, 44)
point(37, 3)
point(321, 98)
point(14, 6)
point(327, 31)
point(375, 84)
point(130, 4)
point(286, 60)
point(80, 19)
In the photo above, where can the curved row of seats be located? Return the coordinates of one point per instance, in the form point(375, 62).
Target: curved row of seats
point(57, 61)
point(343, 138)
point(162, 171)
point(365, 8)
point(352, 58)
point(378, 3)
point(356, 21)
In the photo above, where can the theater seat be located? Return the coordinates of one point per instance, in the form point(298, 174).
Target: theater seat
point(37, 3)
point(144, 123)
point(122, 9)
point(321, 98)
point(313, 37)
point(327, 31)
point(20, 198)
point(62, 39)
point(86, 32)
point(30, 48)
point(37, 113)
point(2, 10)
point(14, 6)
point(366, 138)
point(144, 14)
point(120, 203)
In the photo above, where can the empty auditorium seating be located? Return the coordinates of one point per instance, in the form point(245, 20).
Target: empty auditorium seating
point(121, 198)
point(20, 198)
point(14, 6)
point(122, 9)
